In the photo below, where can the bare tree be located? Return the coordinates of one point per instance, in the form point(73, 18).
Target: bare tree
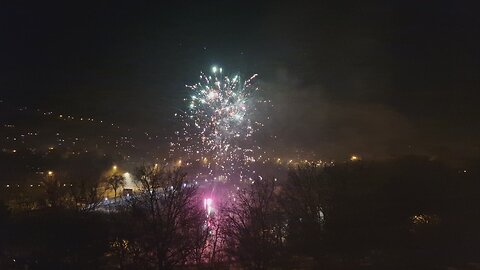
point(86, 187)
point(115, 182)
point(86, 194)
point(53, 190)
point(253, 226)
point(306, 201)
point(170, 220)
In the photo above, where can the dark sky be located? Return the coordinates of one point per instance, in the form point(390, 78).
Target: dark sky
point(377, 79)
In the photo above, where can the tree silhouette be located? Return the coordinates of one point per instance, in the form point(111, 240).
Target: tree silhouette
point(167, 217)
point(253, 226)
point(53, 189)
point(115, 182)
point(307, 203)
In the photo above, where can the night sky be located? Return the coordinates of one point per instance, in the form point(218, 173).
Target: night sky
point(378, 79)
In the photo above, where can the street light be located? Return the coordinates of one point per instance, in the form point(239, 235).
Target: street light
point(50, 173)
point(114, 167)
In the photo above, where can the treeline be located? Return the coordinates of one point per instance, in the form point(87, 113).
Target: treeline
point(408, 213)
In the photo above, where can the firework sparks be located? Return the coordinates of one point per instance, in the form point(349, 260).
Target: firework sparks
point(218, 127)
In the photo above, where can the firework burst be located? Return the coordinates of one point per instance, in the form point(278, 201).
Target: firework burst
point(218, 127)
